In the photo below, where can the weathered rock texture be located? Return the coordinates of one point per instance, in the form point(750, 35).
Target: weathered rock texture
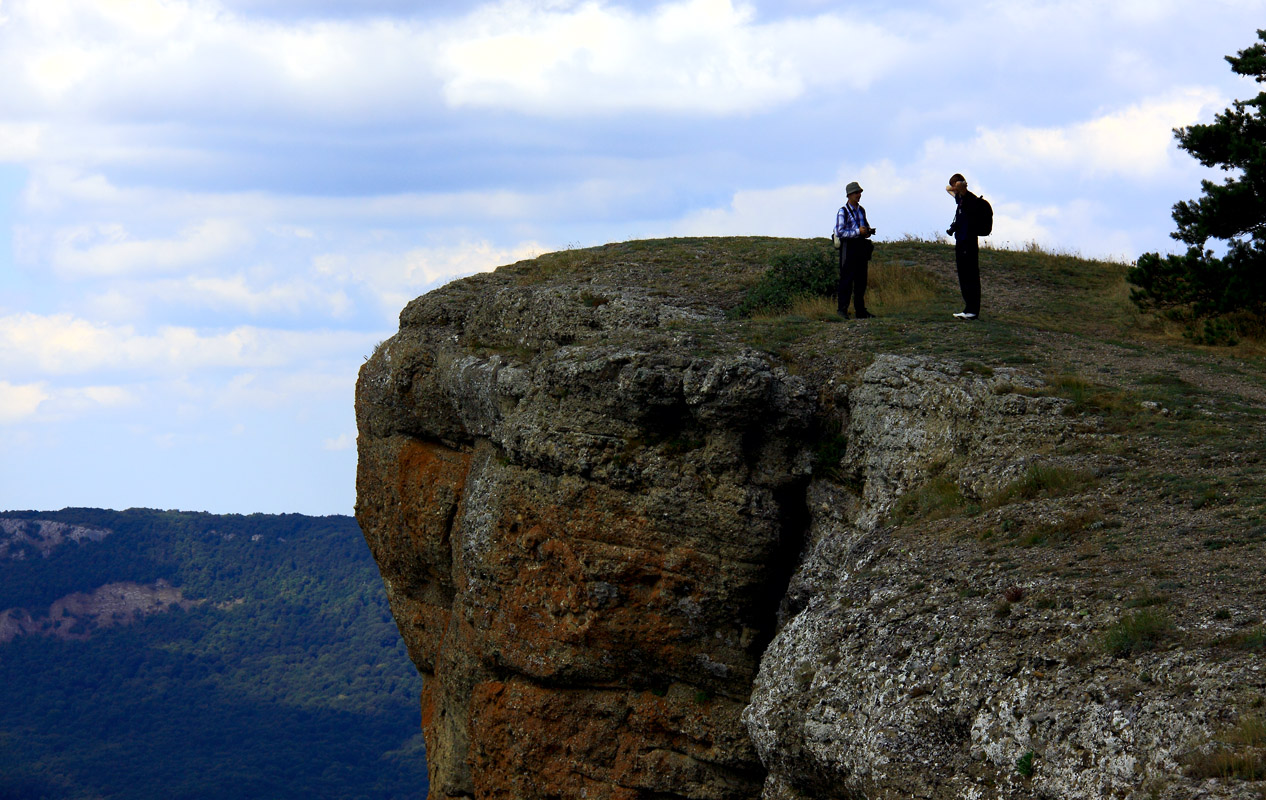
point(584, 541)
point(634, 558)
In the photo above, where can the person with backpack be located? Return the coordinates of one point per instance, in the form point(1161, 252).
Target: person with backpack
point(852, 237)
point(973, 217)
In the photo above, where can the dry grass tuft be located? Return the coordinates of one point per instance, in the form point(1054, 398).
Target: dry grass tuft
point(892, 288)
point(896, 287)
point(1238, 753)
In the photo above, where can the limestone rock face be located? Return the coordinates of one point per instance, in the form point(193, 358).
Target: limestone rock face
point(636, 558)
point(584, 539)
point(904, 670)
point(910, 419)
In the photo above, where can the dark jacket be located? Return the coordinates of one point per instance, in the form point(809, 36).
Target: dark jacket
point(964, 227)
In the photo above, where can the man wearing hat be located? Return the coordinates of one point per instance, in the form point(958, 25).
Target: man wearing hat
point(852, 235)
point(966, 247)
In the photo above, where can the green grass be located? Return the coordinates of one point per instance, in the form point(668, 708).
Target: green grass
point(1137, 632)
point(1253, 640)
point(937, 499)
point(1042, 480)
point(1058, 532)
point(1146, 600)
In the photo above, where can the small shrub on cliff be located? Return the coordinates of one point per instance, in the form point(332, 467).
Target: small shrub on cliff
point(1137, 632)
point(806, 272)
point(1090, 397)
point(1147, 599)
point(830, 451)
point(935, 500)
point(1024, 764)
point(804, 283)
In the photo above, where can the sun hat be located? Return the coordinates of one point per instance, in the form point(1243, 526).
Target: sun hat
point(853, 187)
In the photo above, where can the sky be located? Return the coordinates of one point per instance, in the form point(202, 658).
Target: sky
point(212, 210)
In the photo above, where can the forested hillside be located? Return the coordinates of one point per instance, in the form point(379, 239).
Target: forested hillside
point(282, 676)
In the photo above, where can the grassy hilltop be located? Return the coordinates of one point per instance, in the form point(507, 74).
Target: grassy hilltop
point(1061, 314)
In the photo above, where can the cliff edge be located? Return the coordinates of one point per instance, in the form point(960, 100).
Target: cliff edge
point(639, 549)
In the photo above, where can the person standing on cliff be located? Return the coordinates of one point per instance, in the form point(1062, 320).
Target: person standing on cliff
point(966, 246)
point(852, 237)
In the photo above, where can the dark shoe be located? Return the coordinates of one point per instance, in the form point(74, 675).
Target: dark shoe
point(842, 314)
point(865, 315)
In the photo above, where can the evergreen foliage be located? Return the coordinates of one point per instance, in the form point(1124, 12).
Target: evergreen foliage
point(1197, 282)
point(290, 681)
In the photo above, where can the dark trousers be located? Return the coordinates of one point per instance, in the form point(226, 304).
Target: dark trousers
point(854, 265)
point(967, 259)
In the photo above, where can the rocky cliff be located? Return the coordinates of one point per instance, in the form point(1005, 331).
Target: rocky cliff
point(638, 551)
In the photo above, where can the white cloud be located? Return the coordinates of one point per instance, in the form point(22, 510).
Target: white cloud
point(242, 217)
point(152, 19)
point(109, 250)
point(284, 389)
point(52, 188)
point(138, 57)
point(18, 402)
point(291, 297)
point(273, 254)
point(693, 56)
point(64, 344)
point(1136, 142)
point(19, 141)
point(809, 209)
point(75, 401)
point(1025, 172)
point(345, 441)
point(45, 402)
point(396, 278)
point(237, 293)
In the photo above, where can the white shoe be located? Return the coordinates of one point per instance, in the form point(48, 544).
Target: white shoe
point(961, 314)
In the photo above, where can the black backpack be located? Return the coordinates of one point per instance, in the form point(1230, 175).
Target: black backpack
point(982, 219)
